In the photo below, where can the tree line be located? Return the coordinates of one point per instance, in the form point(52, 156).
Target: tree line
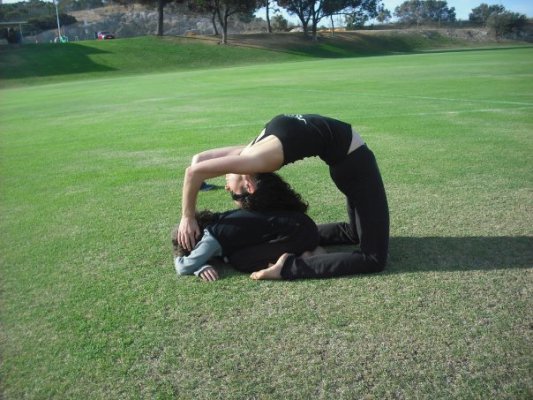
point(356, 13)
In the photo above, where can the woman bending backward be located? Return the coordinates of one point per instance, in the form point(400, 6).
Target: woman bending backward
point(353, 168)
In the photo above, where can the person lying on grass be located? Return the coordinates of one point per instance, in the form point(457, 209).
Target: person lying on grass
point(271, 221)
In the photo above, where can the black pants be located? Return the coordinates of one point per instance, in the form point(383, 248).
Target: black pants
point(358, 177)
point(303, 238)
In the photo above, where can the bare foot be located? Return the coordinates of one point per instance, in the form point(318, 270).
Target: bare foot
point(273, 271)
point(315, 252)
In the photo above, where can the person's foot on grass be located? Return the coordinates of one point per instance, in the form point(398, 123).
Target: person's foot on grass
point(272, 272)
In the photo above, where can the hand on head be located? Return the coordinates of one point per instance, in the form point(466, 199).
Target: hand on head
point(188, 233)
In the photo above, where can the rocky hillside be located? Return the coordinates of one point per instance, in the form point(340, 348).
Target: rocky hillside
point(140, 20)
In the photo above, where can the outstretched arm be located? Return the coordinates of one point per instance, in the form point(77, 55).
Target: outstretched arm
point(196, 261)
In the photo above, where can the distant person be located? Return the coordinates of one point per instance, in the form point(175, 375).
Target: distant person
point(353, 168)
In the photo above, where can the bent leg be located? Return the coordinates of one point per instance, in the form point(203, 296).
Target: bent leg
point(255, 258)
point(329, 265)
point(337, 233)
point(359, 179)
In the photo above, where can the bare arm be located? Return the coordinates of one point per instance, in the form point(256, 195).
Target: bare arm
point(266, 156)
point(189, 230)
point(206, 248)
point(217, 153)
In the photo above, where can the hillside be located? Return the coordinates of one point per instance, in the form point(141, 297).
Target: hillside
point(47, 62)
point(141, 20)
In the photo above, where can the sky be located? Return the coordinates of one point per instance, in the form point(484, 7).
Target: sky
point(462, 7)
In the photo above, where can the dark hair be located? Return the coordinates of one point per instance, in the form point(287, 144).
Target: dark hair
point(272, 193)
point(203, 218)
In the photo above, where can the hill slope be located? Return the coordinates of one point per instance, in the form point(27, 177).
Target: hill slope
point(46, 63)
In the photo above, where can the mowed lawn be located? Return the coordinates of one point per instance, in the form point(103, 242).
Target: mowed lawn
point(90, 185)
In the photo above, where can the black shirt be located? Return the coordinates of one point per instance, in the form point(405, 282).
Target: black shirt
point(237, 229)
point(310, 135)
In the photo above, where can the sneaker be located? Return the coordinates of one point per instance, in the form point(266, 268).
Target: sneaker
point(206, 186)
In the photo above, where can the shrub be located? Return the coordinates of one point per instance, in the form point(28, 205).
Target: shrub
point(507, 22)
point(45, 23)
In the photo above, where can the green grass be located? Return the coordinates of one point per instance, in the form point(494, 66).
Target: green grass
point(52, 63)
point(32, 64)
point(91, 173)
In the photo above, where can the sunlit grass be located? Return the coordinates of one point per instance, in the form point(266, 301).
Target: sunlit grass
point(91, 176)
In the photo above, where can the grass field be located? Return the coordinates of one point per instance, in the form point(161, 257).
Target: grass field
point(91, 173)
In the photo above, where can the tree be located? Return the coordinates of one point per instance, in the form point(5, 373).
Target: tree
point(160, 4)
point(313, 11)
point(356, 18)
point(481, 13)
point(74, 5)
point(44, 23)
point(221, 10)
point(420, 12)
point(300, 8)
point(279, 23)
point(266, 4)
point(205, 7)
point(506, 22)
point(498, 19)
point(384, 15)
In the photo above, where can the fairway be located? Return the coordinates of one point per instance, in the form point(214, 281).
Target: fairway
point(91, 173)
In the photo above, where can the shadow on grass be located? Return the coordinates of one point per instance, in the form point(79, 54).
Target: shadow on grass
point(459, 253)
point(48, 59)
point(464, 50)
point(444, 254)
point(337, 46)
point(361, 44)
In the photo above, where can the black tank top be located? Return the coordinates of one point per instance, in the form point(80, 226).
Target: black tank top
point(310, 135)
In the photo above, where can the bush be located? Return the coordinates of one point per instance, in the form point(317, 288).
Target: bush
point(45, 23)
point(12, 35)
point(279, 23)
point(507, 22)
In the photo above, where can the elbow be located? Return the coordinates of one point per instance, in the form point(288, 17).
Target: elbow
point(196, 158)
point(189, 173)
point(181, 269)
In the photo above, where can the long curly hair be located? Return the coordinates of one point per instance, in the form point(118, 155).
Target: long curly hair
point(273, 194)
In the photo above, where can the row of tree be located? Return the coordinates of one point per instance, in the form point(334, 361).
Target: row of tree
point(309, 12)
point(356, 12)
point(494, 17)
point(498, 19)
point(38, 15)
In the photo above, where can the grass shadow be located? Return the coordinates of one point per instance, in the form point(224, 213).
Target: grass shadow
point(409, 254)
point(360, 44)
point(443, 254)
point(476, 49)
point(49, 59)
point(338, 46)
